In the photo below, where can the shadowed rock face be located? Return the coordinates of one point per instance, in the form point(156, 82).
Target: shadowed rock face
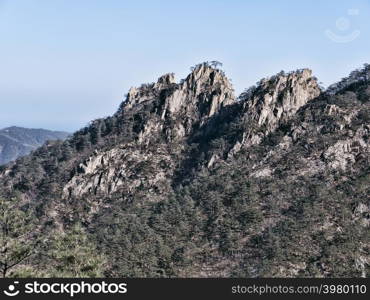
point(265, 173)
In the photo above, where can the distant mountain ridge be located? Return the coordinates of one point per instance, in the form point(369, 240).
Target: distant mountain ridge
point(18, 141)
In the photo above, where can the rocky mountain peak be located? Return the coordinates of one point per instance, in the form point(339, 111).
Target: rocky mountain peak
point(276, 99)
point(205, 75)
point(206, 87)
point(158, 182)
point(204, 91)
point(165, 81)
point(178, 107)
point(282, 95)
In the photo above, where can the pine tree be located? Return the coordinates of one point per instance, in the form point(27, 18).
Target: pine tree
point(72, 254)
point(17, 236)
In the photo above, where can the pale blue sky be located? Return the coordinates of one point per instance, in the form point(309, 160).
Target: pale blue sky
point(64, 63)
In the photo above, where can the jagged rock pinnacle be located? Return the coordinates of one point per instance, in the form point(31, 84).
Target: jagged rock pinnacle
point(198, 97)
point(277, 98)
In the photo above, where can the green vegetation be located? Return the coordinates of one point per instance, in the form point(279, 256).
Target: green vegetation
point(17, 236)
point(72, 254)
point(295, 204)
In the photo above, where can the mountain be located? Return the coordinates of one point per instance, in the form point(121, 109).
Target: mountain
point(187, 180)
point(18, 141)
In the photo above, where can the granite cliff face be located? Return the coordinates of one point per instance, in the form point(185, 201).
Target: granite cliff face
point(278, 99)
point(188, 180)
point(176, 110)
point(185, 105)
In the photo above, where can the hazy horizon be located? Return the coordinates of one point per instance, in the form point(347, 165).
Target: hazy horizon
point(65, 63)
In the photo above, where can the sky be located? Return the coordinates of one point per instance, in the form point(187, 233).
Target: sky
point(65, 63)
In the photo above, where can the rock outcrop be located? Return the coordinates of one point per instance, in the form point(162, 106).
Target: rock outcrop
point(275, 101)
point(176, 110)
point(187, 180)
point(184, 105)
